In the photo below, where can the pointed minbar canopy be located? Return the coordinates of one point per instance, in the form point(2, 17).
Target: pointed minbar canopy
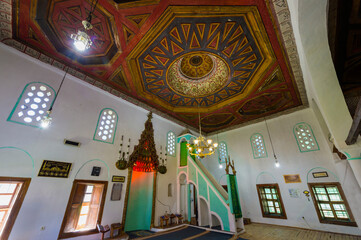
point(144, 157)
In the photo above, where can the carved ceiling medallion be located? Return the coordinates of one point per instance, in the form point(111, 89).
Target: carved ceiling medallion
point(197, 74)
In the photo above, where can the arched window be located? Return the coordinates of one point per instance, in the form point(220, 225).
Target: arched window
point(305, 138)
point(258, 147)
point(171, 144)
point(32, 104)
point(170, 190)
point(222, 152)
point(107, 126)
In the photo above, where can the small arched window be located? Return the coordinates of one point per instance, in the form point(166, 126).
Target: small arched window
point(258, 146)
point(171, 144)
point(32, 104)
point(107, 126)
point(222, 152)
point(305, 138)
point(170, 190)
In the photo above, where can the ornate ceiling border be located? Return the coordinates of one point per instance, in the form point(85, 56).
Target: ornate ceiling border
point(279, 12)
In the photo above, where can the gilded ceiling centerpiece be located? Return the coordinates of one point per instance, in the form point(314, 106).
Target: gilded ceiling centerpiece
point(197, 74)
point(225, 59)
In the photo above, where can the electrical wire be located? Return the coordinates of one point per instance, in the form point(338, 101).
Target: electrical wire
point(304, 219)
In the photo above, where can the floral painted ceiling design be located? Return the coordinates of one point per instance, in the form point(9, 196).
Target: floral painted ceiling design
point(232, 61)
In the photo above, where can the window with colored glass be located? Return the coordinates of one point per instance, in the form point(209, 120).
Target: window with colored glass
point(271, 201)
point(107, 126)
point(171, 144)
point(222, 152)
point(32, 104)
point(331, 204)
point(258, 146)
point(305, 138)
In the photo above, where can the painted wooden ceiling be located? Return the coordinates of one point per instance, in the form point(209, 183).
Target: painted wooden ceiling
point(224, 59)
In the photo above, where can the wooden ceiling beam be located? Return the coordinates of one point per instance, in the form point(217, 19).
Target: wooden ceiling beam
point(355, 127)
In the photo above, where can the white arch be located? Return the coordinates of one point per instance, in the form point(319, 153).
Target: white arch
point(218, 217)
point(178, 190)
point(200, 214)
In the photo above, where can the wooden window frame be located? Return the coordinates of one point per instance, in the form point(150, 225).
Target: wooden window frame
point(352, 221)
point(62, 234)
point(17, 204)
point(283, 214)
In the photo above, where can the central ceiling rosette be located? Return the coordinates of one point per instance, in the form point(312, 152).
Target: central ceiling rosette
point(197, 74)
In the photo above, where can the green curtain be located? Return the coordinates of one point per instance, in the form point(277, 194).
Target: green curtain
point(183, 154)
point(140, 202)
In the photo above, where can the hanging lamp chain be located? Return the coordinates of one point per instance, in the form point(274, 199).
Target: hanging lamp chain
point(57, 93)
point(269, 135)
point(198, 102)
point(92, 9)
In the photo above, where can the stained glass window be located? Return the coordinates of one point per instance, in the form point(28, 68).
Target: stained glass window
point(305, 138)
point(171, 144)
point(107, 126)
point(258, 147)
point(32, 104)
point(331, 203)
point(271, 201)
point(222, 152)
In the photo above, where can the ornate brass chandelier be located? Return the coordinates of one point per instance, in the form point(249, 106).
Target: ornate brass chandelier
point(201, 146)
point(82, 40)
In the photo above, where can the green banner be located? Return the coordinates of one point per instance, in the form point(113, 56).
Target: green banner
point(233, 196)
point(184, 154)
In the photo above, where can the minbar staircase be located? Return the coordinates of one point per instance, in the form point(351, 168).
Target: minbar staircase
point(213, 202)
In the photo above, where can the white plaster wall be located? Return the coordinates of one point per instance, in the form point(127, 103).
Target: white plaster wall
point(249, 171)
point(75, 116)
point(309, 20)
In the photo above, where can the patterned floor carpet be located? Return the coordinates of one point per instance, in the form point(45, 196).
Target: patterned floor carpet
point(187, 233)
point(139, 234)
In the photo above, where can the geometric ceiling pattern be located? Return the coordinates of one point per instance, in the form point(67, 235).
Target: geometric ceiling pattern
point(221, 37)
point(232, 61)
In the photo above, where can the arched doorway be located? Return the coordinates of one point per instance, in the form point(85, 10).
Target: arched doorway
point(193, 206)
point(183, 195)
point(216, 224)
point(204, 213)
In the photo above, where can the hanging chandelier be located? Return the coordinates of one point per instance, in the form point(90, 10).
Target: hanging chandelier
point(82, 40)
point(201, 146)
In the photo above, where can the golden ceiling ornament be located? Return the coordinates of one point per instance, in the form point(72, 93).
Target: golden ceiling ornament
point(201, 146)
point(196, 66)
point(197, 74)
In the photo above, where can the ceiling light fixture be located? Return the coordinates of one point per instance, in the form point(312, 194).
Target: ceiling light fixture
point(82, 40)
point(46, 120)
point(277, 164)
point(201, 146)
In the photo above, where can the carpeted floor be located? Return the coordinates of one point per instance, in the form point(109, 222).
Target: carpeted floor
point(139, 234)
point(188, 233)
